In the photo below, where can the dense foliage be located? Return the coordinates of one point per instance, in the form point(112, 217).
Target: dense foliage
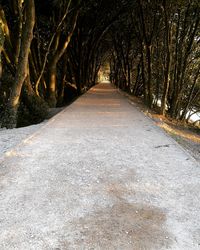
point(156, 55)
point(51, 48)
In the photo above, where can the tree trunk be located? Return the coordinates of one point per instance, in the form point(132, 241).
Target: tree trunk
point(2, 39)
point(186, 109)
point(36, 109)
point(168, 63)
point(149, 75)
point(61, 88)
point(51, 97)
point(10, 117)
point(51, 89)
point(144, 78)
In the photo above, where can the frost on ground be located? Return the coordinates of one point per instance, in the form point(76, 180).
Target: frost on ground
point(10, 138)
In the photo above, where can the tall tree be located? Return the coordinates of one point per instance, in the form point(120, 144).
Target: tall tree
point(10, 116)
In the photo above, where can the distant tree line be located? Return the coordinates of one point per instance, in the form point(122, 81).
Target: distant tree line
point(152, 47)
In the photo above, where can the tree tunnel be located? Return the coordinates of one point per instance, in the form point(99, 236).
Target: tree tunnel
point(148, 48)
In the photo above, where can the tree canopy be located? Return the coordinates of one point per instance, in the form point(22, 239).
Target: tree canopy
point(51, 49)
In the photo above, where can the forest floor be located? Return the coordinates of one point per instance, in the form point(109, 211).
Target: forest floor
point(98, 175)
point(188, 136)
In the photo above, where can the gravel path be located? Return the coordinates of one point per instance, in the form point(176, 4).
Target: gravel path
point(10, 138)
point(99, 175)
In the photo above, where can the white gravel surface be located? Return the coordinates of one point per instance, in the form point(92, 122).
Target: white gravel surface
point(10, 138)
point(99, 175)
